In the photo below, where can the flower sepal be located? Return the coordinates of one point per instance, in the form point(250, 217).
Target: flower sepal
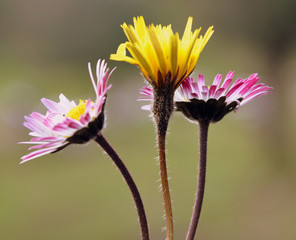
point(212, 110)
point(87, 133)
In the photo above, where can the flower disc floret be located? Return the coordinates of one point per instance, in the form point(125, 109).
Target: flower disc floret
point(77, 111)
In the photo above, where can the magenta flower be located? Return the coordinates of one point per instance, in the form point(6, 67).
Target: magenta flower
point(211, 103)
point(66, 122)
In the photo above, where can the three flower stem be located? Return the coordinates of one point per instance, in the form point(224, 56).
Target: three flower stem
point(130, 182)
point(161, 132)
point(203, 136)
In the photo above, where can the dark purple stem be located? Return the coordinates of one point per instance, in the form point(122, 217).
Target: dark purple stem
point(130, 182)
point(203, 137)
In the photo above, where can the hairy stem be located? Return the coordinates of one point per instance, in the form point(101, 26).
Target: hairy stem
point(165, 187)
point(203, 136)
point(130, 182)
point(162, 109)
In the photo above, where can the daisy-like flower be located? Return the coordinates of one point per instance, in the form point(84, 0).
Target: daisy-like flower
point(66, 122)
point(160, 54)
point(199, 102)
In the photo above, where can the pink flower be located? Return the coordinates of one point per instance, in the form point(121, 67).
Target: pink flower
point(66, 122)
point(211, 103)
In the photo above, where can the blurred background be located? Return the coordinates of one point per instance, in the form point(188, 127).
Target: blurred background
point(78, 193)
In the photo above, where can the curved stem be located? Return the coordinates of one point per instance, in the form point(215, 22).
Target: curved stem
point(203, 136)
point(165, 186)
point(130, 182)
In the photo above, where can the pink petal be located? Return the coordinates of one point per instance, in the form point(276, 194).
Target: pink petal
point(212, 90)
point(51, 105)
point(233, 89)
point(44, 139)
point(37, 153)
point(219, 92)
point(217, 80)
point(249, 98)
point(248, 86)
point(200, 82)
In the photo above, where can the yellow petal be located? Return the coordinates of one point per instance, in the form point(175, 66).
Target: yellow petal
point(207, 36)
point(140, 27)
point(130, 33)
point(140, 60)
point(158, 50)
point(174, 43)
point(121, 55)
point(187, 31)
point(186, 55)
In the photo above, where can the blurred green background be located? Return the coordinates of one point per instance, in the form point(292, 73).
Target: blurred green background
point(78, 193)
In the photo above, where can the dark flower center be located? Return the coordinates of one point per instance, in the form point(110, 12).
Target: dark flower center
point(212, 110)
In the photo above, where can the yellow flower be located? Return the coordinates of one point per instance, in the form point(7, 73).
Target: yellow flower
point(161, 55)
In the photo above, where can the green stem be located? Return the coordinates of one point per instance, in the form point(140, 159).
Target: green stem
point(203, 136)
point(130, 182)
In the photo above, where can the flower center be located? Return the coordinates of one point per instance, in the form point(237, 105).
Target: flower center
point(77, 111)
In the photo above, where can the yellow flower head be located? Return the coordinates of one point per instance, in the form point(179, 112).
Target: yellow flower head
point(161, 55)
